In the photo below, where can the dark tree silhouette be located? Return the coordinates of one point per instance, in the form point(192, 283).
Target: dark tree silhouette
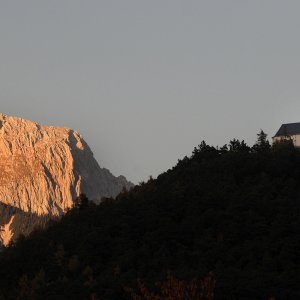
point(234, 211)
point(262, 144)
point(81, 201)
point(238, 146)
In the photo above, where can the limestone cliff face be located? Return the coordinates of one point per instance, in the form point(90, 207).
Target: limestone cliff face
point(7, 232)
point(44, 168)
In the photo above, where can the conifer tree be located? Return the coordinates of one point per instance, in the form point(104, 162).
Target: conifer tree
point(262, 144)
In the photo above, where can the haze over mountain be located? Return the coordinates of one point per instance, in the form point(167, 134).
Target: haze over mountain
point(44, 168)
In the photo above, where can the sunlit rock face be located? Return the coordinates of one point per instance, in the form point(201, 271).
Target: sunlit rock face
point(44, 168)
point(6, 232)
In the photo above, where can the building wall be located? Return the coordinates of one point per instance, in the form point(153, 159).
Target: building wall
point(295, 138)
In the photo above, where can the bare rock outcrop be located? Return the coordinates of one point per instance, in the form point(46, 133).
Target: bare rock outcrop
point(6, 232)
point(44, 168)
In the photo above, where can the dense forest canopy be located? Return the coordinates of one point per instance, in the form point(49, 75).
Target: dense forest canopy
point(231, 212)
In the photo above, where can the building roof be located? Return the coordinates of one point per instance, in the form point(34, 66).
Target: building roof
point(288, 129)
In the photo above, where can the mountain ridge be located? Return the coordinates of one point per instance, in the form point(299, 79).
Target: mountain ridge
point(44, 168)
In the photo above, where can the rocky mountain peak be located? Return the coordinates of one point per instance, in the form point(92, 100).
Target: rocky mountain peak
point(44, 168)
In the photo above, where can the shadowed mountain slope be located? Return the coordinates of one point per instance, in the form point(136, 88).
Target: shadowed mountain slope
point(233, 211)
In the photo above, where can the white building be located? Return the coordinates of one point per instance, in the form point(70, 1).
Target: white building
point(291, 131)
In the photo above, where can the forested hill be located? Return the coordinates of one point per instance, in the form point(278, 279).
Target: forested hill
point(233, 212)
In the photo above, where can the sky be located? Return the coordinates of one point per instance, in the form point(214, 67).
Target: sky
point(145, 82)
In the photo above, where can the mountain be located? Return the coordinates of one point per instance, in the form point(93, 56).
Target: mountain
point(44, 168)
point(233, 211)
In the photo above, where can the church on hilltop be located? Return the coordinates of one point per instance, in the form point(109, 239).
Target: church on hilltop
point(291, 130)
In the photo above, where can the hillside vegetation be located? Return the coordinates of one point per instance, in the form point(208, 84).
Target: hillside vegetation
point(232, 213)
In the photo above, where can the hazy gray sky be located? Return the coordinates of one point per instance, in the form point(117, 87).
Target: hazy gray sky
point(145, 81)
